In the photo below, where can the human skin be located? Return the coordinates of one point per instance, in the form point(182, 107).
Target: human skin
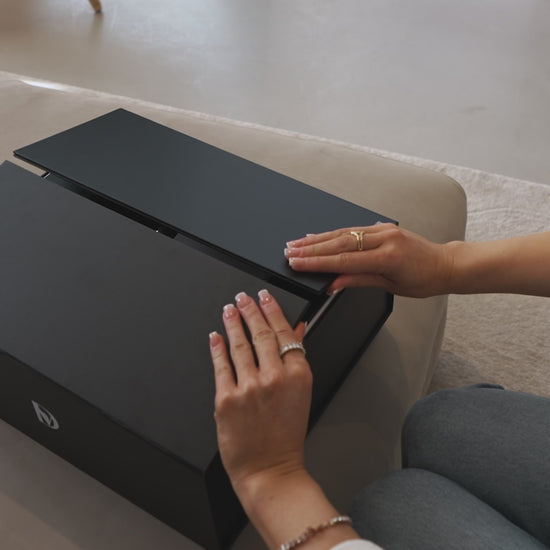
point(407, 264)
point(262, 407)
point(262, 410)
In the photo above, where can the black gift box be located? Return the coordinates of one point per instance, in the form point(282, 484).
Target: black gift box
point(116, 266)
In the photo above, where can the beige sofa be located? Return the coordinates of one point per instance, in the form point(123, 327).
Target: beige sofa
point(48, 504)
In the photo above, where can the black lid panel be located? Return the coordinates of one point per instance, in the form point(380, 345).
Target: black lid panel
point(198, 189)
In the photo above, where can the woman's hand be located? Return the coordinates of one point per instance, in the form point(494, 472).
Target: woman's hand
point(261, 408)
point(262, 412)
point(391, 258)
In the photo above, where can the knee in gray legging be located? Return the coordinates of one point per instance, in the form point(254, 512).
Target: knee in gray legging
point(438, 418)
point(418, 510)
point(493, 443)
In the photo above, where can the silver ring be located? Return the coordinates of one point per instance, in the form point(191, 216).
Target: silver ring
point(290, 347)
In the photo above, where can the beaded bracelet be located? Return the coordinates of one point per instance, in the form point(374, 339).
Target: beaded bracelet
point(312, 531)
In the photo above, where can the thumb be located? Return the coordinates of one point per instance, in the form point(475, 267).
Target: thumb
point(363, 279)
point(299, 331)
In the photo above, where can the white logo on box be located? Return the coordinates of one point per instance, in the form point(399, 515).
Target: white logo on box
point(45, 416)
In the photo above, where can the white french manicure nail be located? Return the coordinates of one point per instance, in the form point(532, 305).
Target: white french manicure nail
point(229, 311)
point(241, 298)
point(265, 297)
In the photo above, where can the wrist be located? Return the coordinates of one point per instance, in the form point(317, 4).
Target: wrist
point(253, 489)
point(283, 505)
point(477, 267)
point(453, 280)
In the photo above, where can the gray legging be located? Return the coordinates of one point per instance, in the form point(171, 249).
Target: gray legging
point(476, 476)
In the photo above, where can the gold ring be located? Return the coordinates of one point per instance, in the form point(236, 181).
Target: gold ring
point(359, 236)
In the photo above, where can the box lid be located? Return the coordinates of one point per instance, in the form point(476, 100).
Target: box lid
point(239, 207)
point(114, 312)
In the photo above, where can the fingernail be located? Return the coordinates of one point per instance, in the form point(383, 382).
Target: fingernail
point(212, 337)
point(242, 299)
point(265, 297)
point(229, 311)
point(334, 292)
point(291, 261)
point(289, 252)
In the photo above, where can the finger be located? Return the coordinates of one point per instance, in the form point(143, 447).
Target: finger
point(350, 241)
point(362, 280)
point(336, 245)
point(223, 372)
point(278, 322)
point(263, 337)
point(329, 235)
point(346, 262)
point(239, 346)
point(300, 331)
point(314, 238)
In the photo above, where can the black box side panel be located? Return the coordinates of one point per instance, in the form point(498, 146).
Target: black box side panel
point(152, 479)
point(335, 345)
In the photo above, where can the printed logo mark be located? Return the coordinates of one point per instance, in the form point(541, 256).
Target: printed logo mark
point(45, 416)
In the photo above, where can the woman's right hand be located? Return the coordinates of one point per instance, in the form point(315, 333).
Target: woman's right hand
point(391, 258)
point(262, 408)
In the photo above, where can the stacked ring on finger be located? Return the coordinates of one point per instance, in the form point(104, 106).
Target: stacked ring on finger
point(292, 346)
point(359, 236)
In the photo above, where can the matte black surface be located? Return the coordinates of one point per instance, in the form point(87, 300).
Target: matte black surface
point(339, 339)
point(215, 196)
point(114, 312)
point(133, 467)
point(105, 322)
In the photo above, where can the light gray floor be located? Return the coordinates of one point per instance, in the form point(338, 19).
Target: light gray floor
point(462, 81)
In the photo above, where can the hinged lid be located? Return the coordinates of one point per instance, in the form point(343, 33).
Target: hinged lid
point(239, 207)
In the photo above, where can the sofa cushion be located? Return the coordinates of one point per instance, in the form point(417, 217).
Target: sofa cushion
point(357, 438)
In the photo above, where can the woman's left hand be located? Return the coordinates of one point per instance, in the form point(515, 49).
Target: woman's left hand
point(261, 408)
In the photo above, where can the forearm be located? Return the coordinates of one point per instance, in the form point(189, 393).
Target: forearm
point(283, 508)
point(520, 265)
